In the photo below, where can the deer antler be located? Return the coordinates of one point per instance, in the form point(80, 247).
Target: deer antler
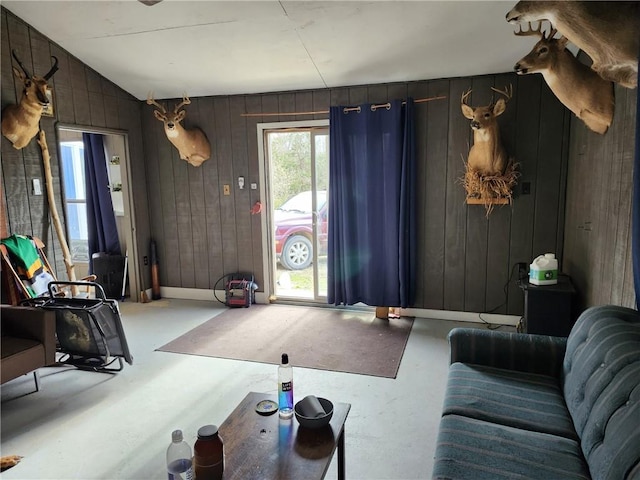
point(537, 31)
point(185, 101)
point(524, 33)
point(54, 69)
point(465, 95)
point(47, 76)
point(151, 101)
point(24, 69)
point(507, 92)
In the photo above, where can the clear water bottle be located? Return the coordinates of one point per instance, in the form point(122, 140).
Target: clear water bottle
point(179, 458)
point(285, 388)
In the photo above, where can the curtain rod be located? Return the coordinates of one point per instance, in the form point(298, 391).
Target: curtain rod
point(347, 109)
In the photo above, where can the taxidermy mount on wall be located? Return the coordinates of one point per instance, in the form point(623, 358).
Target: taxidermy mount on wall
point(606, 31)
point(580, 89)
point(192, 144)
point(490, 173)
point(487, 156)
point(20, 123)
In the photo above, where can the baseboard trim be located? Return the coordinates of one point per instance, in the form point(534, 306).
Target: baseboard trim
point(205, 294)
point(471, 317)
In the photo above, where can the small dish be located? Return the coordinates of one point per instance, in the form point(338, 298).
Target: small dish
point(266, 407)
point(315, 422)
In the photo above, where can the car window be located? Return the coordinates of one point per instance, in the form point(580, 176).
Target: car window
point(302, 202)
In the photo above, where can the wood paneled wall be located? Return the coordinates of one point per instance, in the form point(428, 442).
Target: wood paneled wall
point(599, 208)
point(465, 259)
point(81, 97)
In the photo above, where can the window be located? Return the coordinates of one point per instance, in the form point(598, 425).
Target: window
point(75, 199)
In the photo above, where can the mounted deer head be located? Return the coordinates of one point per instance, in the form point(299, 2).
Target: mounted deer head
point(607, 32)
point(20, 123)
point(487, 156)
point(192, 144)
point(579, 88)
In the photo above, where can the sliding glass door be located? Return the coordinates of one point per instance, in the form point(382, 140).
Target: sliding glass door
point(298, 162)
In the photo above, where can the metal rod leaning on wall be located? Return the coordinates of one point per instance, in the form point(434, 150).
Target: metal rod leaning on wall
point(347, 109)
point(66, 254)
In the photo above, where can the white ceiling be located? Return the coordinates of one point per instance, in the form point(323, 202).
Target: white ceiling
point(234, 47)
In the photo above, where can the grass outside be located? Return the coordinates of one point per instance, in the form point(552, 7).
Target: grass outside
point(299, 283)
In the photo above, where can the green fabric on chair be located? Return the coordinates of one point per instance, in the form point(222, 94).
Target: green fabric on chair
point(24, 254)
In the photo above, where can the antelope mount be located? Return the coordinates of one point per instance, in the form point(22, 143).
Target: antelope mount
point(580, 89)
point(192, 144)
point(20, 123)
point(607, 33)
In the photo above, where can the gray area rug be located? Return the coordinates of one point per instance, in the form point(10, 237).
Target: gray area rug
point(321, 338)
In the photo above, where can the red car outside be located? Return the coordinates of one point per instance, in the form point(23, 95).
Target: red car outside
point(294, 230)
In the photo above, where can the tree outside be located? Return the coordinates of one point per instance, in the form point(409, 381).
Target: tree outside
point(290, 154)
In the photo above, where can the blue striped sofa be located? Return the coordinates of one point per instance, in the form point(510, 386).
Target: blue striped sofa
point(540, 407)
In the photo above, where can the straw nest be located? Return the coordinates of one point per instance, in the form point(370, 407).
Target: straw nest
point(491, 190)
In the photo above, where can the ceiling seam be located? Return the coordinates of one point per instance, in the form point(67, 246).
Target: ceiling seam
point(143, 32)
point(304, 46)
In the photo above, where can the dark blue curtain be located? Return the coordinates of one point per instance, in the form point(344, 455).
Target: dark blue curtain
point(101, 221)
point(372, 206)
point(635, 223)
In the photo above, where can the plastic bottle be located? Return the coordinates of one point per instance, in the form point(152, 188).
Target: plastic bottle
point(544, 270)
point(285, 388)
point(208, 454)
point(179, 458)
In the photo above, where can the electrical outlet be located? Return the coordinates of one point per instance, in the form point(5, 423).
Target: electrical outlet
point(526, 188)
point(145, 259)
point(254, 186)
point(226, 189)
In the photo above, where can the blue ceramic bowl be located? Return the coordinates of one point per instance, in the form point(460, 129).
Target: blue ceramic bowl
point(315, 422)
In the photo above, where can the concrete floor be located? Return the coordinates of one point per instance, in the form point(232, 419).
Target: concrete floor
point(85, 425)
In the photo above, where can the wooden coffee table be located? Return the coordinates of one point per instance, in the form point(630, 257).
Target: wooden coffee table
point(268, 447)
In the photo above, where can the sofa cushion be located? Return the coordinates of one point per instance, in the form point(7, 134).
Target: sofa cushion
point(473, 449)
point(601, 382)
point(517, 399)
point(20, 356)
point(12, 345)
point(539, 354)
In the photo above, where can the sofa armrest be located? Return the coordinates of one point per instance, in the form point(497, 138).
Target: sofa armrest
point(514, 351)
point(33, 323)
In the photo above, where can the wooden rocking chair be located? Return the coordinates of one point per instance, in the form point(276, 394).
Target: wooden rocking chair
point(16, 288)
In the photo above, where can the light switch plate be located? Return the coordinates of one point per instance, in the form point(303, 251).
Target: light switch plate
point(37, 187)
point(226, 189)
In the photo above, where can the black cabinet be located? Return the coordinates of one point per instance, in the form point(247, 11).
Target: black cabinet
point(548, 309)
